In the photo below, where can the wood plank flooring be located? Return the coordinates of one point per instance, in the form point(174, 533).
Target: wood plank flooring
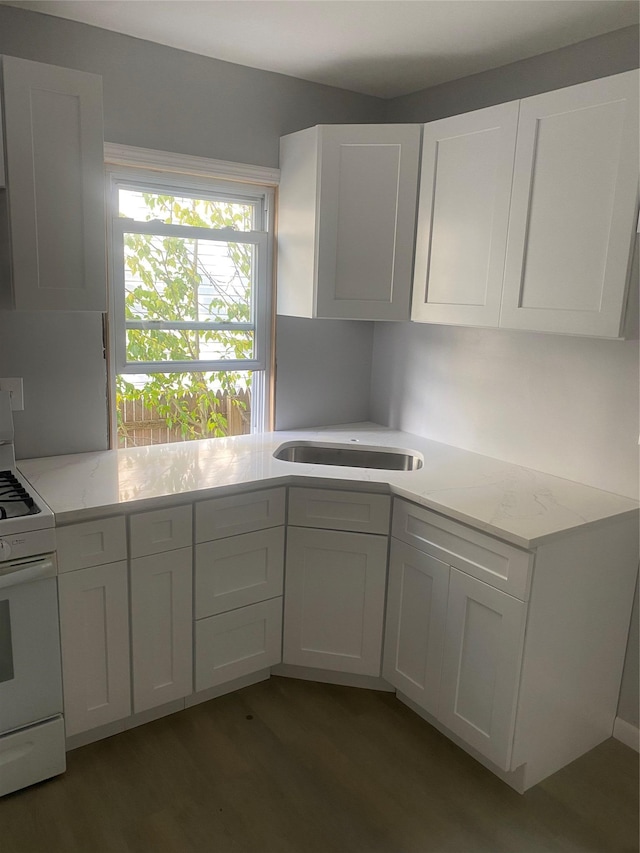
point(289, 766)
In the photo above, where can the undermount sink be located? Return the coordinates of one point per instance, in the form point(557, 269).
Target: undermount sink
point(317, 453)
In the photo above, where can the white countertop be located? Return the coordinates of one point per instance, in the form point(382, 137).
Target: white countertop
point(517, 504)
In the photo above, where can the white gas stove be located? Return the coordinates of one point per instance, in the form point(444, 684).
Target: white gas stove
point(32, 744)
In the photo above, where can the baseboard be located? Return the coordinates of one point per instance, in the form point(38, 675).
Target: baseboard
point(627, 733)
point(325, 676)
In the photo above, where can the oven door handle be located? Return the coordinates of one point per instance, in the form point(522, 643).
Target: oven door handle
point(31, 572)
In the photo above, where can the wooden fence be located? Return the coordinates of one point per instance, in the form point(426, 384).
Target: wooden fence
point(139, 424)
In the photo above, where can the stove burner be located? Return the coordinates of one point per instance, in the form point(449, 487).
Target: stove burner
point(14, 499)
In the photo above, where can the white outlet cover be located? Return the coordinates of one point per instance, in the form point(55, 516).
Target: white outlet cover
point(14, 387)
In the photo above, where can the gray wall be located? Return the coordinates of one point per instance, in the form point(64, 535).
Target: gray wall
point(158, 97)
point(564, 405)
point(601, 56)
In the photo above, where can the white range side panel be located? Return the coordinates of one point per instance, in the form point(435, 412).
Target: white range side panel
point(577, 629)
point(415, 624)
point(55, 178)
point(161, 628)
point(235, 644)
point(465, 189)
point(481, 666)
point(573, 208)
point(334, 594)
point(94, 632)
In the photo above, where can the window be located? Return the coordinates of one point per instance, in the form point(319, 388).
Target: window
point(190, 272)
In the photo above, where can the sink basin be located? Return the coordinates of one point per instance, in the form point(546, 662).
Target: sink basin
point(354, 456)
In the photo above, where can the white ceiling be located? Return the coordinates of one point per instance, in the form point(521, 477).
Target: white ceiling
point(385, 48)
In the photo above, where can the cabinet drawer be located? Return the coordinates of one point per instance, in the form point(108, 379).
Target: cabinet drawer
point(498, 564)
point(160, 530)
point(230, 516)
point(239, 570)
point(238, 643)
point(335, 510)
point(91, 543)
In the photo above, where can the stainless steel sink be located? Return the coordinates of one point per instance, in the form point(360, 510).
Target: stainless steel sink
point(354, 456)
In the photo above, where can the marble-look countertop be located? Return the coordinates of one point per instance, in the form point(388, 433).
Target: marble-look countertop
point(520, 505)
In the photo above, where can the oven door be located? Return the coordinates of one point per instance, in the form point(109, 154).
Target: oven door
point(30, 672)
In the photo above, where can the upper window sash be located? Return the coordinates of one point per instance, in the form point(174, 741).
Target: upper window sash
point(259, 299)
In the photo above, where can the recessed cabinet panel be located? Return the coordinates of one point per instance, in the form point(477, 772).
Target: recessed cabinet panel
point(481, 665)
point(55, 183)
point(94, 630)
point(160, 530)
point(238, 643)
point(572, 211)
point(242, 513)
point(239, 570)
point(334, 591)
point(91, 543)
point(415, 624)
point(465, 187)
point(161, 615)
point(335, 510)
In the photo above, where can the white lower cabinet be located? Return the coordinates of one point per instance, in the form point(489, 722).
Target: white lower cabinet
point(94, 628)
point(238, 643)
point(454, 643)
point(415, 628)
point(161, 628)
point(481, 666)
point(334, 600)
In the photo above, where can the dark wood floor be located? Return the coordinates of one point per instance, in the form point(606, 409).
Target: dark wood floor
point(290, 766)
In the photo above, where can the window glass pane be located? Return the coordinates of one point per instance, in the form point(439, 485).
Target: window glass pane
point(173, 278)
point(182, 406)
point(188, 345)
point(180, 209)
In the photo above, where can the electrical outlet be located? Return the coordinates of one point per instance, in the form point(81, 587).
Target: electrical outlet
point(14, 387)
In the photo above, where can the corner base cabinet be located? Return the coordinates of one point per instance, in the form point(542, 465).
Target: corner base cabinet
point(519, 663)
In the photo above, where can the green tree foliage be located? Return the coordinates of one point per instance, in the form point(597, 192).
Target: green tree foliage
point(169, 280)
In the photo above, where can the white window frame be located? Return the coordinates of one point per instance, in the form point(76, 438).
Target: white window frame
point(163, 171)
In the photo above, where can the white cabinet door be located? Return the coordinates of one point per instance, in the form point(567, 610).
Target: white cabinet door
point(94, 629)
point(465, 188)
point(415, 624)
point(55, 181)
point(161, 622)
point(481, 666)
point(334, 600)
point(347, 220)
point(572, 209)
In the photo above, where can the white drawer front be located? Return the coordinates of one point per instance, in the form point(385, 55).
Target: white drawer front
point(498, 564)
point(160, 530)
point(31, 755)
point(239, 570)
point(91, 543)
point(238, 643)
point(230, 516)
point(335, 510)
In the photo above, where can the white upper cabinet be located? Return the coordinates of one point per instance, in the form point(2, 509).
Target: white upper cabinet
point(54, 205)
point(528, 211)
point(573, 202)
point(346, 221)
point(465, 187)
